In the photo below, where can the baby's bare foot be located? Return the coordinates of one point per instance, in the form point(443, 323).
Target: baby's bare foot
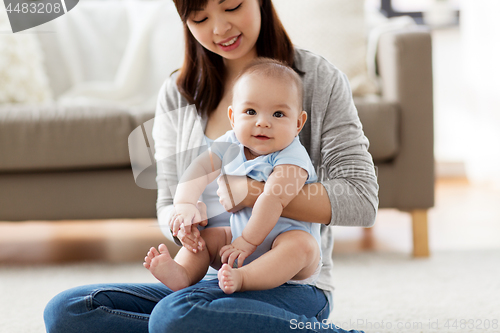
point(165, 269)
point(230, 279)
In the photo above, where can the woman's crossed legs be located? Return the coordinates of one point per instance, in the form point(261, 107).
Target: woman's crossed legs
point(203, 307)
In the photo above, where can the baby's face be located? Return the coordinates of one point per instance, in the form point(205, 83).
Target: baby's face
point(265, 115)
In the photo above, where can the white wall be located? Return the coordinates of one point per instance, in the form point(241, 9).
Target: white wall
point(467, 91)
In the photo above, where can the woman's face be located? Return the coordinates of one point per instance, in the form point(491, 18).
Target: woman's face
point(229, 28)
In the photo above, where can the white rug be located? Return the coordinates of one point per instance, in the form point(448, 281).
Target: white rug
point(453, 291)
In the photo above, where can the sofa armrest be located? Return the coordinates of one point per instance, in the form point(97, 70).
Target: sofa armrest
point(404, 61)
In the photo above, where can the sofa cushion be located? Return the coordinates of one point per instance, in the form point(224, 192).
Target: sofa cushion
point(380, 121)
point(141, 115)
point(55, 137)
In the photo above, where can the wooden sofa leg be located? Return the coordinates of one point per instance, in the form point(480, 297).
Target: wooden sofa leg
point(420, 233)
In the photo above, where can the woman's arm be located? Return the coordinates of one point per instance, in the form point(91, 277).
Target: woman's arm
point(173, 117)
point(311, 204)
point(346, 171)
point(164, 135)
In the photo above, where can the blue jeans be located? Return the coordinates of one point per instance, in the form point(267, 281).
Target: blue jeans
point(200, 308)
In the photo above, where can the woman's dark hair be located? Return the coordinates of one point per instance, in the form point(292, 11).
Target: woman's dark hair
point(201, 77)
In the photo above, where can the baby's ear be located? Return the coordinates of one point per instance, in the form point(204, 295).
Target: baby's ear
point(301, 120)
point(230, 115)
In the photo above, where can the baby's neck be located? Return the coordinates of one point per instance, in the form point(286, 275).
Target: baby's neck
point(249, 155)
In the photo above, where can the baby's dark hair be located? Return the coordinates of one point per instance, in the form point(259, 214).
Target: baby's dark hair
point(274, 69)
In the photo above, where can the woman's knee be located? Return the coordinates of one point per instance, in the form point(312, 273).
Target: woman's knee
point(59, 313)
point(168, 316)
point(186, 310)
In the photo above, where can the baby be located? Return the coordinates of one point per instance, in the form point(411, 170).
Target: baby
point(266, 116)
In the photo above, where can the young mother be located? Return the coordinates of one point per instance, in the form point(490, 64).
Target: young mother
point(222, 36)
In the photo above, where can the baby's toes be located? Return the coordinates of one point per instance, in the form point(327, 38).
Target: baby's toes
point(224, 273)
point(154, 252)
point(150, 254)
point(147, 262)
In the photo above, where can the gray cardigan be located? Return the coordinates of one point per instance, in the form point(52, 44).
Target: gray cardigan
point(332, 136)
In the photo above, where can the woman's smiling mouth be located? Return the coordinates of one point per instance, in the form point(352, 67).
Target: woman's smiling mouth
point(230, 43)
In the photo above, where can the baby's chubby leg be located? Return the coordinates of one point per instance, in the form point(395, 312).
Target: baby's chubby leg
point(294, 255)
point(188, 267)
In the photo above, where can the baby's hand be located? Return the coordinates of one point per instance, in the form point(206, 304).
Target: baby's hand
point(239, 249)
point(186, 215)
point(189, 235)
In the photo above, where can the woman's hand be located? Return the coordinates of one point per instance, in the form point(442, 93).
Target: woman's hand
point(241, 192)
point(239, 250)
point(188, 234)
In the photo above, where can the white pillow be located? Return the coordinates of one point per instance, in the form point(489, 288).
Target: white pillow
point(334, 29)
point(116, 52)
point(22, 75)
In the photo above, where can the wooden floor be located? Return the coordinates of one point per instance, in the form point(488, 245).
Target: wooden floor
point(466, 217)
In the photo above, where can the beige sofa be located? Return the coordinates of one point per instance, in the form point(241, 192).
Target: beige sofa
point(73, 162)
